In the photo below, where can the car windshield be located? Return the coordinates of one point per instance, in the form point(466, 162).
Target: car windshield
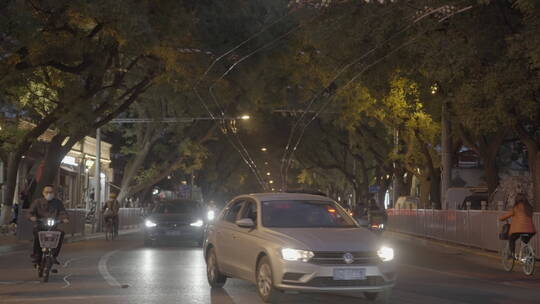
point(304, 214)
point(177, 207)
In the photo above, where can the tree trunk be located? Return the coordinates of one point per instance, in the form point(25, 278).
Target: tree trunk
point(533, 157)
point(53, 159)
point(425, 190)
point(491, 172)
point(534, 165)
point(435, 192)
point(14, 159)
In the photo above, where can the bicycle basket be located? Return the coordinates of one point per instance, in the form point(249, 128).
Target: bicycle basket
point(504, 234)
point(49, 239)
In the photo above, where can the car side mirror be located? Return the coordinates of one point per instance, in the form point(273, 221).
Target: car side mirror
point(245, 223)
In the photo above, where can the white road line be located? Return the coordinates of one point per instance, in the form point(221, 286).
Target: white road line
point(67, 282)
point(104, 271)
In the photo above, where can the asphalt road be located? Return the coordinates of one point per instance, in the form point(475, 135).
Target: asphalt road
point(124, 271)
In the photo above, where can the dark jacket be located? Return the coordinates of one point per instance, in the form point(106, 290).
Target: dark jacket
point(113, 205)
point(42, 208)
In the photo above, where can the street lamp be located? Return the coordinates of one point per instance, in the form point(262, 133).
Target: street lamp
point(271, 181)
point(264, 149)
point(245, 117)
point(268, 173)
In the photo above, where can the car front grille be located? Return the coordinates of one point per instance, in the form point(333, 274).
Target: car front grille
point(330, 282)
point(336, 258)
point(172, 225)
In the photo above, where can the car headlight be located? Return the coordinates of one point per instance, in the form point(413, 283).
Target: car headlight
point(211, 215)
point(150, 224)
point(386, 253)
point(197, 223)
point(289, 254)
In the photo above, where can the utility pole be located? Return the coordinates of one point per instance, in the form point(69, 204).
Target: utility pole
point(97, 179)
point(395, 183)
point(446, 146)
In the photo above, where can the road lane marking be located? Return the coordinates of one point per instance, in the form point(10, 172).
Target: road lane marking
point(104, 271)
point(67, 282)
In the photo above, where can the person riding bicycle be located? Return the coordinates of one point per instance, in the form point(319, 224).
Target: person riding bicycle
point(42, 208)
point(522, 222)
point(375, 214)
point(110, 211)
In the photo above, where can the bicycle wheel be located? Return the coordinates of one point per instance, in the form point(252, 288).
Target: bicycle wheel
point(528, 259)
point(507, 258)
point(46, 270)
point(108, 231)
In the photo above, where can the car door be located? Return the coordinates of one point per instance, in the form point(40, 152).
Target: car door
point(225, 233)
point(248, 240)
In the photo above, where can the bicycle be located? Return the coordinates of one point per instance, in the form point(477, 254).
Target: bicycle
point(110, 234)
point(525, 256)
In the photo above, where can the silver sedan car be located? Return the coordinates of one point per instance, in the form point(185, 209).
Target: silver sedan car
point(296, 242)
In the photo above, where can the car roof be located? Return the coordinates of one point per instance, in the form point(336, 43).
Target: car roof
point(276, 196)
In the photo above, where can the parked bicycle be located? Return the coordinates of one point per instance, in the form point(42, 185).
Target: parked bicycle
point(525, 255)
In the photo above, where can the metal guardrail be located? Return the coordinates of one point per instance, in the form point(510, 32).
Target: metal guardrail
point(475, 228)
point(128, 218)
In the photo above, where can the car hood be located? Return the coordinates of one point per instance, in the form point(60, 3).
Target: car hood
point(181, 218)
point(327, 239)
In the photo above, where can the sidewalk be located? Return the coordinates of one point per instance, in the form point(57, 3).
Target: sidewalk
point(9, 242)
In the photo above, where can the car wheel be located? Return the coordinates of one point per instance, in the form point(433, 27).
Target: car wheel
point(265, 281)
point(215, 278)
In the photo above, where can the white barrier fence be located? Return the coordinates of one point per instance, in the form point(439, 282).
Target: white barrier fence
point(128, 218)
point(476, 228)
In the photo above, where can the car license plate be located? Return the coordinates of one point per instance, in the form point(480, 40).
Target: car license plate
point(349, 274)
point(173, 233)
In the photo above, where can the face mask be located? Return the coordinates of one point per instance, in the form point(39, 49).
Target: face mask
point(49, 196)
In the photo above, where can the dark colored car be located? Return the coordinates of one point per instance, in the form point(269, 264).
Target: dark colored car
point(175, 220)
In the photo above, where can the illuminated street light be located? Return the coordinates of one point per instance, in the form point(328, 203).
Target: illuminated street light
point(245, 117)
point(268, 173)
point(271, 181)
point(264, 149)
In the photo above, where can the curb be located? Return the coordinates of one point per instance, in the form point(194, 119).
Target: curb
point(471, 250)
